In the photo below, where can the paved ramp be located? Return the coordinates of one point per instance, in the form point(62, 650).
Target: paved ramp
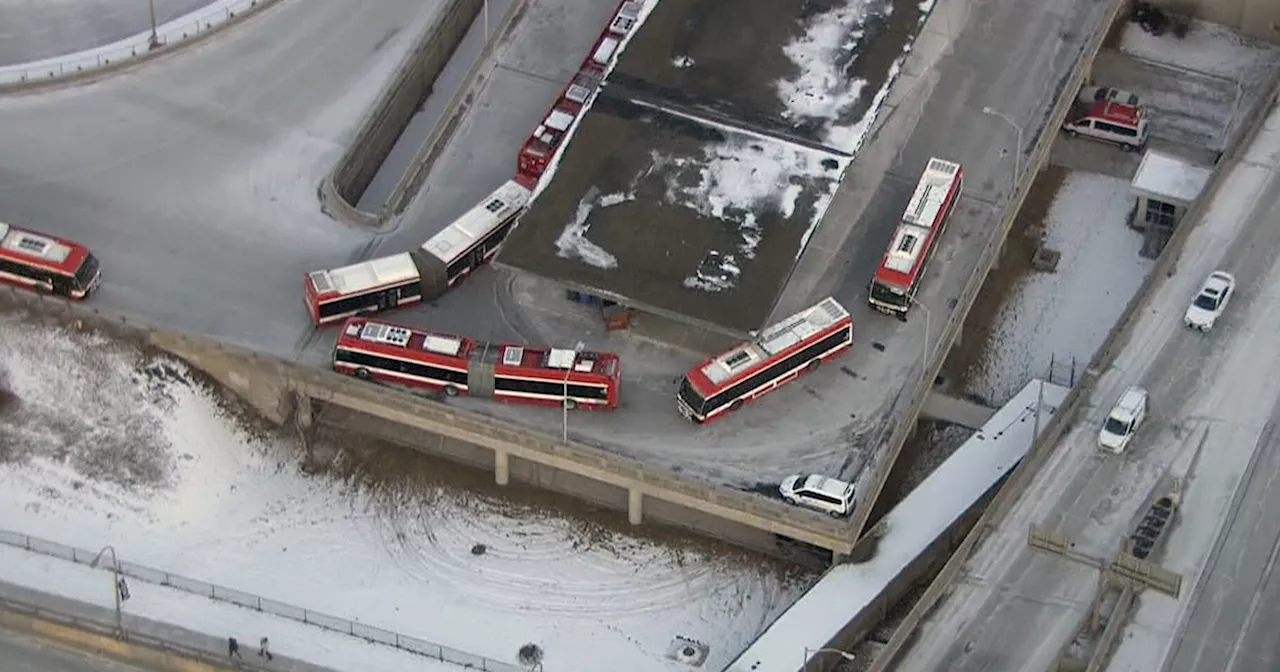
point(938, 406)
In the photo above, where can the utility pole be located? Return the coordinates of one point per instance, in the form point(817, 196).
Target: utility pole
point(155, 39)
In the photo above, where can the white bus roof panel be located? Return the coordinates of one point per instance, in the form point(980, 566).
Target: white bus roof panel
point(33, 245)
point(908, 242)
point(931, 193)
point(369, 274)
point(477, 222)
point(775, 339)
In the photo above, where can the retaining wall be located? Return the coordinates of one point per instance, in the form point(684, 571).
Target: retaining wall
point(386, 120)
point(1065, 418)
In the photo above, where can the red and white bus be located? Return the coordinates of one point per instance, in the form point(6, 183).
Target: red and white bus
point(47, 264)
point(898, 277)
point(424, 274)
point(536, 153)
point(796, 345)
point(455, 365)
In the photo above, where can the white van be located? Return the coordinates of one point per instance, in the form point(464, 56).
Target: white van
point(1124, 125)
point(1124, 420)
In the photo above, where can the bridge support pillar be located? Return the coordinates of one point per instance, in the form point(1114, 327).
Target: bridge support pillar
point(635, 506)
point(302, 412)
point(501, 467)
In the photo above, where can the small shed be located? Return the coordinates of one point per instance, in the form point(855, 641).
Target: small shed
point(1163, 188)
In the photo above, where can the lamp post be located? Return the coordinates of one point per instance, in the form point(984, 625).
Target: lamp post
point(1017, 154)
point(155, 39)
point(117, 585)
point(486, 21)
point(843, 654)
point(564, 402)
point(924, 347)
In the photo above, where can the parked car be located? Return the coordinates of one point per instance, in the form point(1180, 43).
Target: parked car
point(818, 492)
point(1212, 299)
point(1124, 420)
point(1124, 125)
point(1093, 94)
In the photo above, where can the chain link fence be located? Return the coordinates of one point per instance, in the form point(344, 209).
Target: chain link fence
point(249, 600)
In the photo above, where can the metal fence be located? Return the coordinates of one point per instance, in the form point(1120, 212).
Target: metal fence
point(171, 34)
point(249, 600)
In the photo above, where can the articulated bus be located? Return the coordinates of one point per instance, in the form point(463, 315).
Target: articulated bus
point(456, 365)
point(424, 274)
point(47, 264)
point(782, 352)
point(897, 279)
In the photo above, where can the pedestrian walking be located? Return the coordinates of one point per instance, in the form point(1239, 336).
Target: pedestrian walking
point(263, 650)
point(233, 648)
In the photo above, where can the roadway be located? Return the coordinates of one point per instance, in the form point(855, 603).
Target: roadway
point(194, 179)
point(37, 30)
point(23, 653)
point(1212, 397)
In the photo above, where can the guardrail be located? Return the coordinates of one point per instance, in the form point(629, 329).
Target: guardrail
point(1077, 399)
point(168, 37)
point(989, 256)
point(251, 601)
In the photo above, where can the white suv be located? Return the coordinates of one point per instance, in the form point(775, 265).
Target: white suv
point(1208, 305)
point(819, 492)
point(1124, 420)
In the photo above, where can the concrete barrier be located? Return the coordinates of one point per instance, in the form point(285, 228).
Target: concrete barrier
point(382, 126)
point(277, 388)
point(458, 108)
point(1045, 140)
point(94, 63)
point(1077, 400)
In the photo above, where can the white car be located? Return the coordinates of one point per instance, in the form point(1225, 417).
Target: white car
point(1208, 305)
point(819, 492)
point(1124, 420)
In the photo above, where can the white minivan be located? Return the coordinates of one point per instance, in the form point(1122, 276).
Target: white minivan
point(1124, 420)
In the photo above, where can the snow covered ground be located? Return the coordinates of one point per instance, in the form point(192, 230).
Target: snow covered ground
point(103, 446)
point(1067, 314)
point(1208, 47)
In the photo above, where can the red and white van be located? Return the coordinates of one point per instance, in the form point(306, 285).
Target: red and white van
point(1109, 121)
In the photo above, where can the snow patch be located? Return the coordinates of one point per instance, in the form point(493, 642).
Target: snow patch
point(237, 511)
point(1207, 47)
point(572, 243)
point(825, 55)
point(1065, 315)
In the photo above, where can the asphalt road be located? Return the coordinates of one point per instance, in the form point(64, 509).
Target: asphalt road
point(1212, 394)
point(37, 29)
point(194, 180)
point(22, 653)
point(1235, 621)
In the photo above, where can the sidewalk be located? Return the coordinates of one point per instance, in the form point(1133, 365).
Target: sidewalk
point(75, 593)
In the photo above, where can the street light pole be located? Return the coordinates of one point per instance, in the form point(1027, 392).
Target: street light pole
point(486, 21)
point(1017, 154)
point(155, 39)
point(843, 654)
point(115, 585)
point(564, 402)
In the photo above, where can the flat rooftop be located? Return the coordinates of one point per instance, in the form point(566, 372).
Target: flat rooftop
point(694, 181)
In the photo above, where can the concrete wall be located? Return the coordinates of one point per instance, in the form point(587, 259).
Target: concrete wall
point(1259, 19)
point(395, 107)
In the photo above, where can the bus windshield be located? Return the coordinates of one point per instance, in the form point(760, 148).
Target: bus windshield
point(887, 294)
point(87, 272)
point(690, 397)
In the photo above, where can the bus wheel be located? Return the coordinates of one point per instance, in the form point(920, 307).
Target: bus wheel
point(813, 365)
point(737, 403)
point(451, 390)
point(362, 374)
point(570, 404)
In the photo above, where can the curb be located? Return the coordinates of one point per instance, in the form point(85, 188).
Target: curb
point(174, 36)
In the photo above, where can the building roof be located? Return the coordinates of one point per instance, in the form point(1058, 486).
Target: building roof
point(1167, 177)
point(692, 182)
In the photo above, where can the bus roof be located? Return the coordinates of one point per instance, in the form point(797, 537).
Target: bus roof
point(924, 213)
point(477, 222)
point(34, 248)
point(751, 355)
point(365, 275)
